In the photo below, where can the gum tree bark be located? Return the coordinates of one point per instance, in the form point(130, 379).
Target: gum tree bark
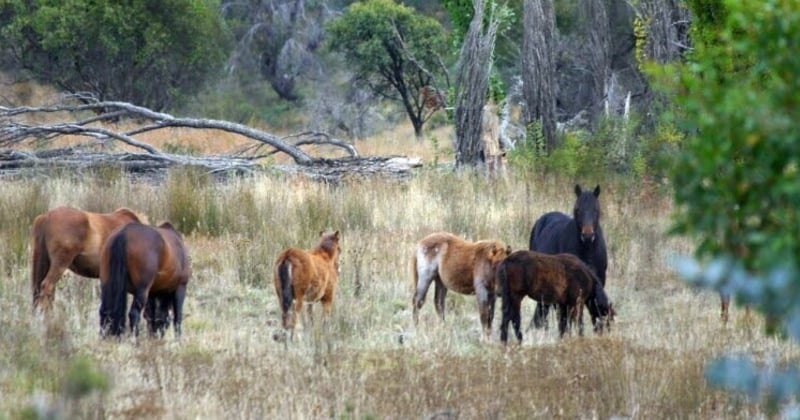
point(472, 85)
point(538, 66)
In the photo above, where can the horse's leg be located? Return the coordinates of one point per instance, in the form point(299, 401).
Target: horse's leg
point(424, 278)
point(44, 294)
point(725, 302)
point(562, 319)
point(310, 314)
point(540, 316)
point(439, 295)
point(296, 320)
point(150, 314)
point(485, 308)
point(516, 317)
point(177, 309)
point(139, 301)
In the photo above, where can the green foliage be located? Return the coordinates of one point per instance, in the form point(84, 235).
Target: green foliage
point(612, 148)
point(461, 13)
point(83, 378)
point(394, 50)
point(379, 35)
point(148, 53)
point(736, 182)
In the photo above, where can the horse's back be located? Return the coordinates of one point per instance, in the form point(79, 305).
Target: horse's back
point(550, 233)
point(535, 274)
point(306, 268)
point(66, 224)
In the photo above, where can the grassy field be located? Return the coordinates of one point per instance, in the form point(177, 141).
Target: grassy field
point(371, 362)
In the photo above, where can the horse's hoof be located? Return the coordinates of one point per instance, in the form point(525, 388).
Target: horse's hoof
point(279, 336)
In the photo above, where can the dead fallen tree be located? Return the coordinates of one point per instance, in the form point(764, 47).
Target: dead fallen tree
point(18, 163)
point(334, 170)
point(85, 118)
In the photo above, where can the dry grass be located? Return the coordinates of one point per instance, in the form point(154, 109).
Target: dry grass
point(370, 362)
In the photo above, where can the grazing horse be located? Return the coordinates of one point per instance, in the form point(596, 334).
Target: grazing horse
point(67, 238)
point(152, 264)
point(307, 276)
point(561, 279)
point(458, 265)
point(580, 235)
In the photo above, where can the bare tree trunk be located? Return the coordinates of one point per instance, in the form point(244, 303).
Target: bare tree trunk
point(595, 19)
point(664, 28)
point(538, 66)
point(472, 85)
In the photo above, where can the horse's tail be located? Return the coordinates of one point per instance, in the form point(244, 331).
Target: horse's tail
point(40, 259)
point(114, 294)
point(287, 287)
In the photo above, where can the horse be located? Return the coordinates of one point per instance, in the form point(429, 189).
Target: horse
point(580, 235)
point(152, 264)
point(307, 276)
point(560, 279)
point(461, 266)
point(67, 238)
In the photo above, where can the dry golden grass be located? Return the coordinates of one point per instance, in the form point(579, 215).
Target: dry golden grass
point(370, 362)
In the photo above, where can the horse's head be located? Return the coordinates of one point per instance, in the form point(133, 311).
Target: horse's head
point(497, 251)
point(587, 213)
point(601, 308)
point(330, 243)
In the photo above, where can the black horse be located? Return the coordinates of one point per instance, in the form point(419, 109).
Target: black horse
point(580, 235)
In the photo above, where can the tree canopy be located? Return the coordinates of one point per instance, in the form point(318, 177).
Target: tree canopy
point(394, 50)
point(149, 52)
point(736, 183)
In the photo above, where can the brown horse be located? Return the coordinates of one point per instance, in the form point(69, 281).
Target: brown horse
point(307, 276)
point(458, 265)
point(64, 238)
point(152, 264)
point(562, 279)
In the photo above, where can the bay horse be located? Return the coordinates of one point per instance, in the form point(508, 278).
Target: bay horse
point(579, 235)
point(68, 238)
point(307, 276)
point(561, 279)
point(462, 266)
point(152, 264)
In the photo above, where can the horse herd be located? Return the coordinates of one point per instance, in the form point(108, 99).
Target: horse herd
point(565, 268)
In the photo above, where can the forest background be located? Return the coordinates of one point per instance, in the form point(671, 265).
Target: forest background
point(685, 109)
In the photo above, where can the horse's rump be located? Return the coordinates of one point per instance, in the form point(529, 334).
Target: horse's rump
point(546, 231)
point(142, 260)
point(68, 238)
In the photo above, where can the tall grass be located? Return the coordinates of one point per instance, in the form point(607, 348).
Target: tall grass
point(369, 361)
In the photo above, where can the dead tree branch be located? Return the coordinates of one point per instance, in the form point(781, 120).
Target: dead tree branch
point(17, 128)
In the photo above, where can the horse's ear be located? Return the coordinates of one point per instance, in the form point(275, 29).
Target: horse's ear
point(597, 191)
point(578, 190)
point(336, 235)
point(508, 250)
